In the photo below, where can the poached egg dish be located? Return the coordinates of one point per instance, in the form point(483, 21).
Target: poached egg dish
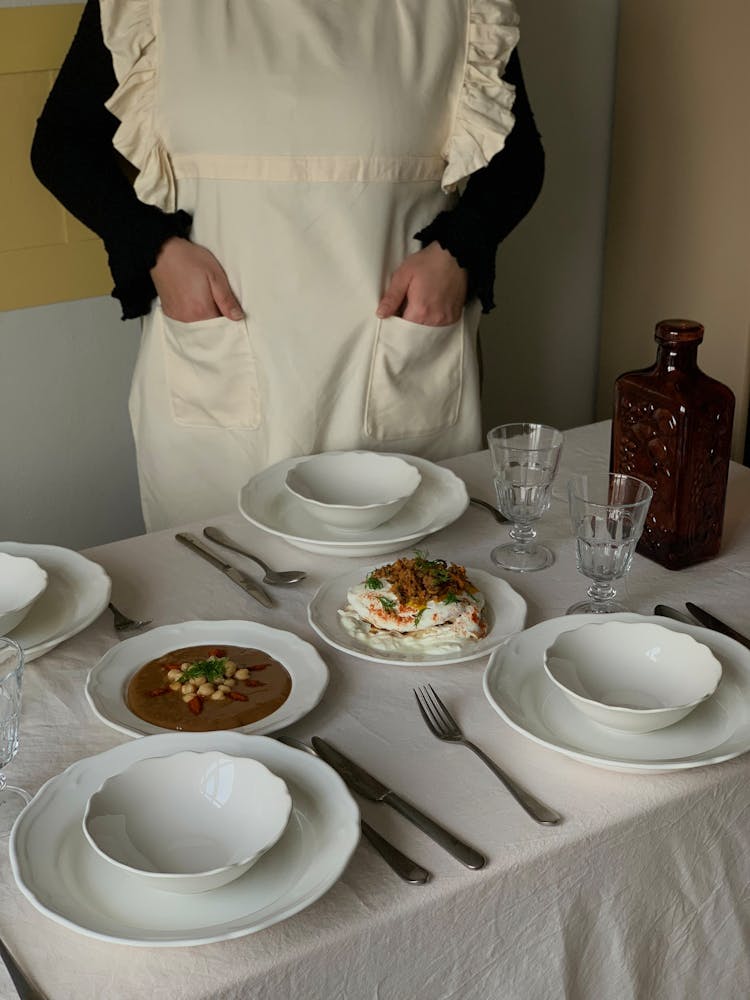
point(419, 599)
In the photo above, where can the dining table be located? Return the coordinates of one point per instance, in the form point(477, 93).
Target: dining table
point(642, 892)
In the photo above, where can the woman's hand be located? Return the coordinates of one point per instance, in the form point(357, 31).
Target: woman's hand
point(430, 285)
point(192, 284)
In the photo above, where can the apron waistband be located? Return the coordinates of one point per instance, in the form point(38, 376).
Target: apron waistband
point(386, 169)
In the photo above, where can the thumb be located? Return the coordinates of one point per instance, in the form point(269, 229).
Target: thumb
point(394, 295)
point(225, 299)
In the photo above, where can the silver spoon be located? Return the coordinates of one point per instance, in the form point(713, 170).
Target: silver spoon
point(272, 576)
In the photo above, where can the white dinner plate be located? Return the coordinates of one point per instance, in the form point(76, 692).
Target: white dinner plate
point(61, 874)
point(517, 686)
point(107, 681)
point(77, 592)
point(505, 611)
point(439, 500)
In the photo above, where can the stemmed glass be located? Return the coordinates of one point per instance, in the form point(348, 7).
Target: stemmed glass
point(607, 512)
point(12, 799)
point(525, 458)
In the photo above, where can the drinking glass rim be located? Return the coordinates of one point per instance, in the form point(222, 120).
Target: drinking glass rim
point(613, 506)
point(520, 447)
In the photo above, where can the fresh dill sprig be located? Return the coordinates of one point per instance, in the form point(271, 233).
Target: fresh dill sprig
point(373, 583)
point(210, 669)
point(388, 604)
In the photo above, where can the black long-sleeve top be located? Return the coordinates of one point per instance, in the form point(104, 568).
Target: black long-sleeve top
point(73, 156)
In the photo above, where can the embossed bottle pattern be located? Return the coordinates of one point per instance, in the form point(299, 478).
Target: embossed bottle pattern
point(672, 428)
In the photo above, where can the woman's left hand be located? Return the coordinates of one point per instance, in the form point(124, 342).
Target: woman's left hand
point(431, 287)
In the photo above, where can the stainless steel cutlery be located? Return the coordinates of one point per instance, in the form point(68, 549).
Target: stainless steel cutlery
point(272, 576)
point(368, 786)
point(235, 575)
point(402, 865)
point(699, 616)
point(124, 624)
point(441, 723)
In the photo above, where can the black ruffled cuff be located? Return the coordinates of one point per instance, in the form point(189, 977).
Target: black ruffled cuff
point(131, 264)
point(461, 236)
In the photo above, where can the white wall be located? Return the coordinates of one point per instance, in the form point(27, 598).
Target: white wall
point(66, 454)
point(540, 344)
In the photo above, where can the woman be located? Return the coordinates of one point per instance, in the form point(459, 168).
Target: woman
point(319, 280)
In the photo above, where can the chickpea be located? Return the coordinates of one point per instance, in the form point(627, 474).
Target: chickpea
point(198, 681)
point(230, 669)
point(188, 689)
point(174, 674)
point(218, 696)
point(223, 688)
point(185, 666)
point(188, 697)
point(229, 681)
point(205, 690)
point(175, 686)
point(242, 674)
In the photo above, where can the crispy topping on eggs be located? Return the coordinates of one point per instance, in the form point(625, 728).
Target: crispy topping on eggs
point(416, 596)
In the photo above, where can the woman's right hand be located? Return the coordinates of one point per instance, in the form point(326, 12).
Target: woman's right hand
point(191, 283)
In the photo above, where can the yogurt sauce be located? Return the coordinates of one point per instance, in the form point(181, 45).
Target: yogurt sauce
point(430, 641)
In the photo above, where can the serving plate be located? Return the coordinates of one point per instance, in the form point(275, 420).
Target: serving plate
point(107, 681)
point(65, 879)
point(77, 592)
point(516, 685)
point(505, 611)
point(439, 500)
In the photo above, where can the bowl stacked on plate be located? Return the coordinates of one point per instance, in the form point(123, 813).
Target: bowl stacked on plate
point(22, 583)
point(353, 490)
point(630, 676)
point(328, 503)
point(188, 822)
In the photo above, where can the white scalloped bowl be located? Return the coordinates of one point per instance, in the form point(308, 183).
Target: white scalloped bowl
point(635, 677)
point(188, 822)
point(22, 583)
point(353, 490)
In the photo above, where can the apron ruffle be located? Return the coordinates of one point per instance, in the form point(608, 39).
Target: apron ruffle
point(130, 35)
point(483, 118)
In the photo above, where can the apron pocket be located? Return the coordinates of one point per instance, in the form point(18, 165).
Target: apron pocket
point(211, 373)
point(415, 379)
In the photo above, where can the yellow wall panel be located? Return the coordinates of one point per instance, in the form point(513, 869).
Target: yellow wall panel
point(42, 275)
point(36, 37)
point(45, 254)
point(31, 216)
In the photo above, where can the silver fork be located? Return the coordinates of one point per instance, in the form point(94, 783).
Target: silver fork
point(441, 723)
point(125, 624)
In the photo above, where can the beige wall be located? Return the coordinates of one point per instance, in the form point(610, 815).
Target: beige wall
point(678, 236)
point(541, 342)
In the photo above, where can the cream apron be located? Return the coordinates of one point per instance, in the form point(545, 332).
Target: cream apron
point(310, 139)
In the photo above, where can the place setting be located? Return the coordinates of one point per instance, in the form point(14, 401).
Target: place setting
point(208, 702)
point(353, 504)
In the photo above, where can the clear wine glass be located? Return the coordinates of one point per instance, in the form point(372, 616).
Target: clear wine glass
point(525, 458)
point(607, 512)
point(12, 799)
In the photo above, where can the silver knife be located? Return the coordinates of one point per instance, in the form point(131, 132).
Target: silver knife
point(679, 616)
point(365, 784)
point(711, 621)
point(402, 865)
point(235, 575)
point(24, 987)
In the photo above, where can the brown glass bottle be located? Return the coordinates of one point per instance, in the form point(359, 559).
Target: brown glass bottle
point(672, 427)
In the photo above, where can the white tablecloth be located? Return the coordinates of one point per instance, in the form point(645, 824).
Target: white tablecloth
point(643, 892)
